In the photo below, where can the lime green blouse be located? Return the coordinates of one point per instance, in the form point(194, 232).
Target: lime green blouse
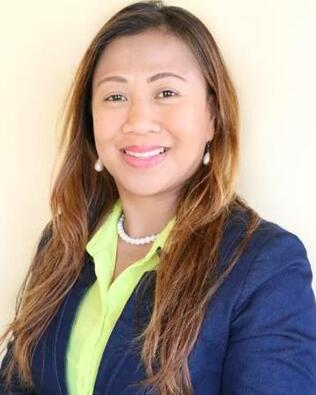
point(102, 305)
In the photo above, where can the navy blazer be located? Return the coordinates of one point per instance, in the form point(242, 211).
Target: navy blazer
point(258, 336)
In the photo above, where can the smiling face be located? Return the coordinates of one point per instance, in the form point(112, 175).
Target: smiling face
point(142, 104)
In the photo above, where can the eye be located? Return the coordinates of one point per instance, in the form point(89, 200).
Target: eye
point(169, 91)
point(114, 97)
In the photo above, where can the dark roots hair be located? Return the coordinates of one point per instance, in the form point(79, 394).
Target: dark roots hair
point(187, 277)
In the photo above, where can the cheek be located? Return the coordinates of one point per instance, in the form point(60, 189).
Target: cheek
point(181, 123)
point(103, 130)
point(190, 128)
point(188, 116)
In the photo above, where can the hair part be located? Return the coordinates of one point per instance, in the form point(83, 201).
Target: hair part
point(187, 277)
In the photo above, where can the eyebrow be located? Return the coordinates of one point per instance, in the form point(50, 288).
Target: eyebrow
point(117, 78)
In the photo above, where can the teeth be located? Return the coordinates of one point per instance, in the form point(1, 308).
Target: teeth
point(146, 154)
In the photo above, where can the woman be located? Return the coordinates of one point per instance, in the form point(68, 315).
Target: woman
point(153, 275)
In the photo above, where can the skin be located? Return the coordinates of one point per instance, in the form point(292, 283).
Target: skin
point(144, 114)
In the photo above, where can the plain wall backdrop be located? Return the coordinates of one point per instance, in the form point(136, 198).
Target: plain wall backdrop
point(269, 49)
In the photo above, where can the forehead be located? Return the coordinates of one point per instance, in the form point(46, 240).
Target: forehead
point(147, 52)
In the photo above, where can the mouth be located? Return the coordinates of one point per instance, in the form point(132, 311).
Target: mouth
point(145, 154)
point(145, 159)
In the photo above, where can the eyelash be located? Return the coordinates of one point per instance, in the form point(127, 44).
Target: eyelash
point(166, 90)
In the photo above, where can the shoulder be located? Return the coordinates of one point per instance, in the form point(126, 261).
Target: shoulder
point(274, 262)
point(268, 240)
point(269, 311)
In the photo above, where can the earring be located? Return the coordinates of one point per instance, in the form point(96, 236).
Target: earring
point(206, 157)
point(98, 166)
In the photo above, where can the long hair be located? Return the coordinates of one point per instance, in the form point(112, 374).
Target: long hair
point(187, 276)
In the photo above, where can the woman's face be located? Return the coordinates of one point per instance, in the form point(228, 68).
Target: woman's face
point(138, 104)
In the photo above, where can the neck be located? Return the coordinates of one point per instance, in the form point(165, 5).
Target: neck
point(145, 216)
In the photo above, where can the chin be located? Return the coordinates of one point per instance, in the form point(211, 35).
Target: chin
point(143, 191)
point(141, 188)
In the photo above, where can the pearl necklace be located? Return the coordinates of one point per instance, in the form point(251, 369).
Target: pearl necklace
point(132, 240)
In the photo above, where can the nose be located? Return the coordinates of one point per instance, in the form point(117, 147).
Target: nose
point(140, 118)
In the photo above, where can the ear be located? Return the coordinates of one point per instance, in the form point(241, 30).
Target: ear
point(211, 128)
point(211, 117)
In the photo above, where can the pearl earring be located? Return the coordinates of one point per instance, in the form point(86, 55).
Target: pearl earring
point(98, 166)
point(206, 157)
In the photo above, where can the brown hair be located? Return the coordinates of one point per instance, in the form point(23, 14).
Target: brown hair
point(81, 197)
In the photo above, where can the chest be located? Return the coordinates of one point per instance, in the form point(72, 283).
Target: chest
point(126, 255)
point(120, 364)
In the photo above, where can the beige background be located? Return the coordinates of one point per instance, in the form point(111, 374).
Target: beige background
point(270, 52)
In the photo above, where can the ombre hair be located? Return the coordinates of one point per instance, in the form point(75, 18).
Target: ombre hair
point(187, 277)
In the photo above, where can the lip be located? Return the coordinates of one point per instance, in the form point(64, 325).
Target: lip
point(144, 163)
point(142, 148)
